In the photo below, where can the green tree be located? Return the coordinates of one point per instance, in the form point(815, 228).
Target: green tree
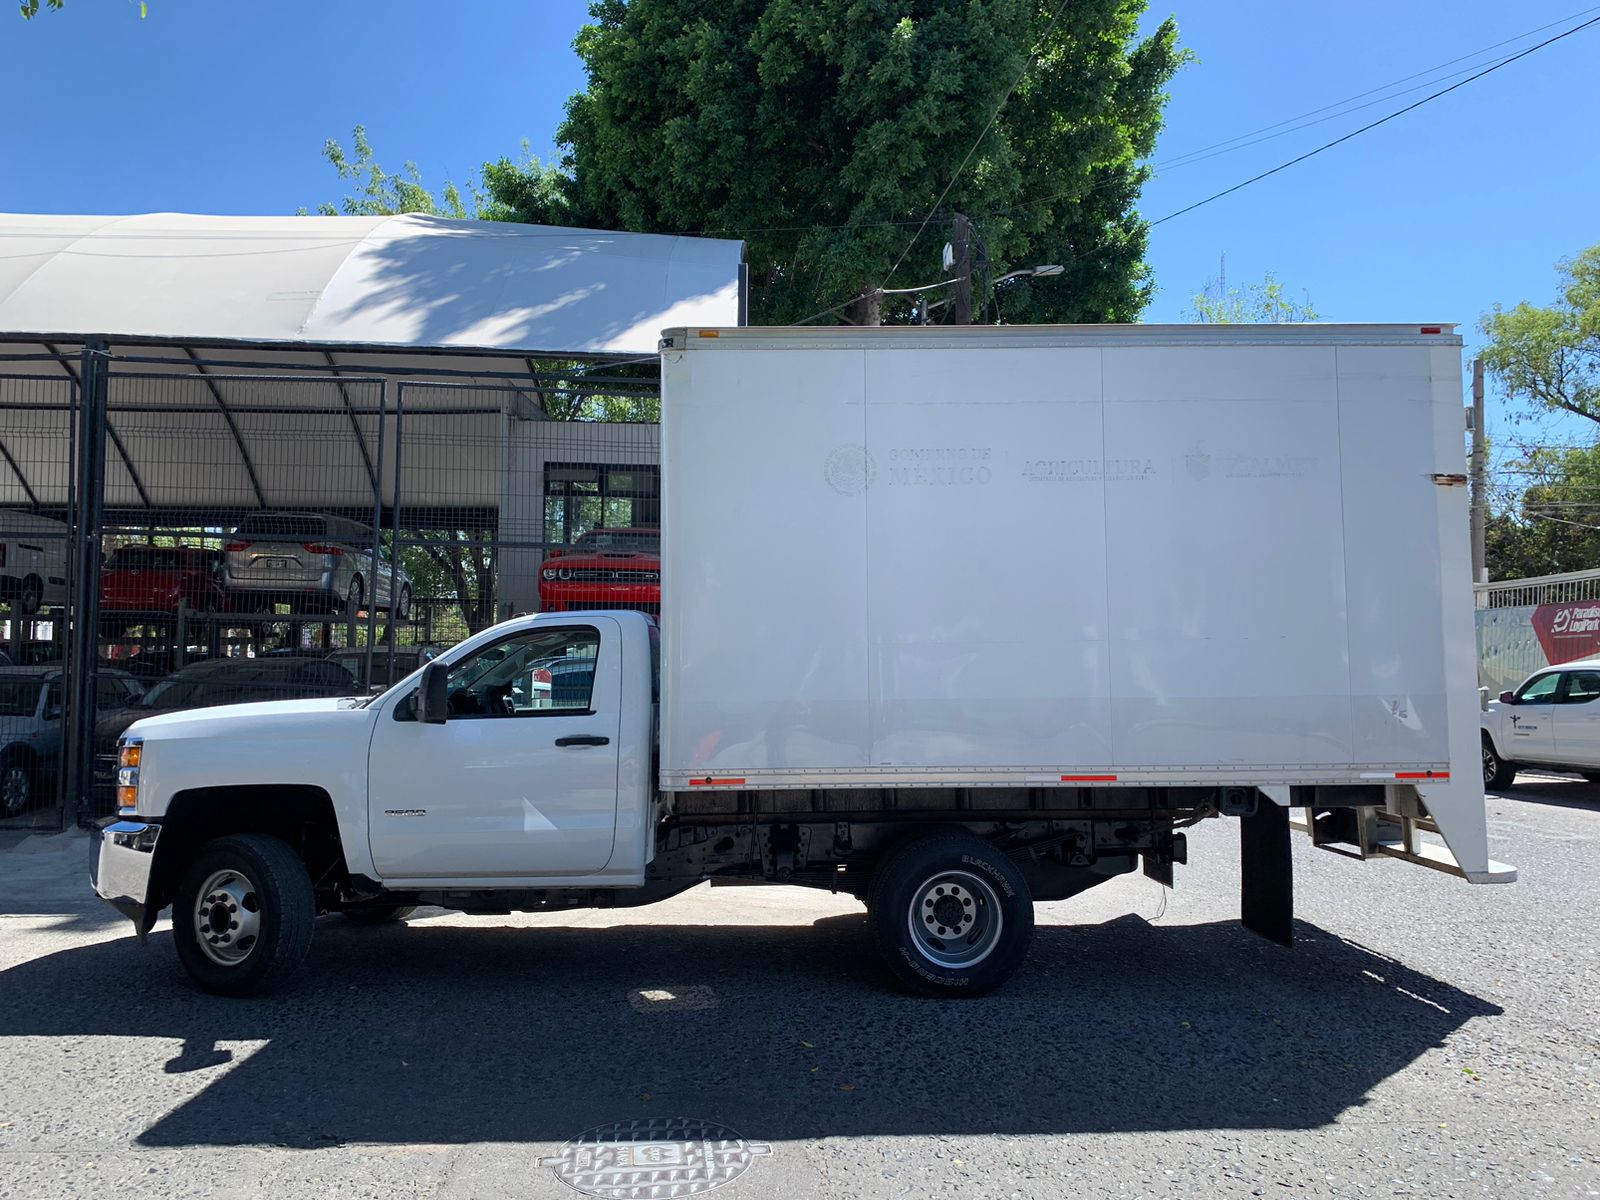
point(522, 189)
point(1548, 520)
point(824, 131)
point(1256, 303)
point(1549, 358)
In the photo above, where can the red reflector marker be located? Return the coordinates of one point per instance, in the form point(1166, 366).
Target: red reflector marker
point(1088, 779)
point(708, 781)
point(1432, 329)
point(1422, 774)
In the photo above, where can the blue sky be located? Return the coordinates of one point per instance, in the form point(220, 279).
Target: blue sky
point(219, 106)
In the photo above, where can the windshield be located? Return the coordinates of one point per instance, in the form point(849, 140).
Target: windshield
point(18, 697)
point(635, 541)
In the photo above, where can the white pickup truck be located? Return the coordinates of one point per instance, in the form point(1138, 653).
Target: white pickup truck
point(953, 621)
point(1551, 721)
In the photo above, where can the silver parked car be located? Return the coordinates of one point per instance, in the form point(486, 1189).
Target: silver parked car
point(311, 562)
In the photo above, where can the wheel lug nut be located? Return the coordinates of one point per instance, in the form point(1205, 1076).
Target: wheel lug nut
point(233, 925)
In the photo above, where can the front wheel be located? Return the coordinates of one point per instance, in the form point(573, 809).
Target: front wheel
point(1497, 773)
point(243, 915)
point(951, 915)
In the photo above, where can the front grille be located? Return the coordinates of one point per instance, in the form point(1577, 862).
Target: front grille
point(602, 575)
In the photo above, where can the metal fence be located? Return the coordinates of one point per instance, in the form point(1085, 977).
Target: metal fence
point(233, 532)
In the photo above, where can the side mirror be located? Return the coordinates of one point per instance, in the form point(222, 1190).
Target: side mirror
point(433, 697)
point(1508, 698)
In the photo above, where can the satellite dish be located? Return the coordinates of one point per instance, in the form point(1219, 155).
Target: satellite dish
point(949, 256)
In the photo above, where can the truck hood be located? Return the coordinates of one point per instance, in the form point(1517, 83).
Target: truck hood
point(263, 714)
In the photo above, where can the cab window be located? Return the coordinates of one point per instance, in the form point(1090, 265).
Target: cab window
point(1582, 687)
point(1541, 690)
point(540, 672)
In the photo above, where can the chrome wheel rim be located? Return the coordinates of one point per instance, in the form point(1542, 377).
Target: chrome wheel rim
point(955, 919)
point(227, 918)
point(1490, 765)
point(14, 790)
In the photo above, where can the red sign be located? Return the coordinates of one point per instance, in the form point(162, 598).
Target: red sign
point(1568, 632)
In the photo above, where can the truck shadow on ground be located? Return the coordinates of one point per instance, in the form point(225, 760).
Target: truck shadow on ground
point(449, 1034)
point(1559, 792)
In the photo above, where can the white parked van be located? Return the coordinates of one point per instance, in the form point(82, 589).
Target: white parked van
point(33, 560)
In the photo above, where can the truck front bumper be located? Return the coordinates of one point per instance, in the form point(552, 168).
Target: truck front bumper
point(120, 857)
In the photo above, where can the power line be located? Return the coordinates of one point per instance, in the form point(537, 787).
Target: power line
point(1380, 121)
point(1196, 155)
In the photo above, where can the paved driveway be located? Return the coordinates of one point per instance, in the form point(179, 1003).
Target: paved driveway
point(1424, 1038)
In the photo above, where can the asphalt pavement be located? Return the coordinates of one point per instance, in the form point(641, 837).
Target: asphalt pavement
point(1424, 1037)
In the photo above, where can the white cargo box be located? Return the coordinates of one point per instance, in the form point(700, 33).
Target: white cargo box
point(1064, 555)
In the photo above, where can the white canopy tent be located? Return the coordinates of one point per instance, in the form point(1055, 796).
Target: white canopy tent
point(408, 281)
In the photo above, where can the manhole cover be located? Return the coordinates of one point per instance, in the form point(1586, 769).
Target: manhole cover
point(653, 1160)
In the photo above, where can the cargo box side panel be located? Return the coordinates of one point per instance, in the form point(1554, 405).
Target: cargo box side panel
point(986, 560)
point(1392, 552)
point(1226, 566)
point(764, 479)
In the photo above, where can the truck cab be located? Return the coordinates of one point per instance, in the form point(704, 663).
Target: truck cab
point(1552, 720)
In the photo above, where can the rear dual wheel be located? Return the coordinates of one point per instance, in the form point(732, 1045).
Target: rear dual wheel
point(951, 914)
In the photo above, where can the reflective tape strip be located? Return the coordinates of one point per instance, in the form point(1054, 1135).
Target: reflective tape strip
point(1088, 779)
point(709, 782)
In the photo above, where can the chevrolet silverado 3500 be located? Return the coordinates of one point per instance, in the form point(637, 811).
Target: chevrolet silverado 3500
point(952, 621)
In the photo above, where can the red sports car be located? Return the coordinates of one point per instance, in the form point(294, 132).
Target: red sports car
point(604, 568)
point(157, 578)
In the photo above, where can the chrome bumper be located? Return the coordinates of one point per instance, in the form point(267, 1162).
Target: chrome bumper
point(120, 857)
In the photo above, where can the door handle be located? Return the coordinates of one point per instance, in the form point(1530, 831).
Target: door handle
point(583, 739)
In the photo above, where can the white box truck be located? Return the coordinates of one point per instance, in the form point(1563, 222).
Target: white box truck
point(952, 620)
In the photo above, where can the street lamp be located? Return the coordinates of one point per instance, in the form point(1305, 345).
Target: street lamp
point(1029, 272)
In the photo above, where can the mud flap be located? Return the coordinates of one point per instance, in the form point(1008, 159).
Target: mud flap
point(1266, 900)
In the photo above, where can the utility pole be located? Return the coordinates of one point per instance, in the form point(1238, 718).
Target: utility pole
point(961, 251)
point(1477, 466)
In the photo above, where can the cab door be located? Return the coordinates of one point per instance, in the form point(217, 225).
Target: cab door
point(1577, 718)
point(1531, 722)
point(521, 779)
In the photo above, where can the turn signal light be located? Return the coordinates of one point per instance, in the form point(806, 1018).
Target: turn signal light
point(127, 799)
point(130, 754)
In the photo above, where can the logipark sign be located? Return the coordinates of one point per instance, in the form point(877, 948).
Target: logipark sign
point(1568, 631)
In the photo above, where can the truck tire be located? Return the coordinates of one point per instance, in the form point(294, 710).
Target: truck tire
point(31, 598)
point(378, 914)
point(951, 915)
point(258, 886)
point(1497, 773)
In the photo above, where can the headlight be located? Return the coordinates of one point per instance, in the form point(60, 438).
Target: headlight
point(563, 573)
point(129, 754)
point(549, 573)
